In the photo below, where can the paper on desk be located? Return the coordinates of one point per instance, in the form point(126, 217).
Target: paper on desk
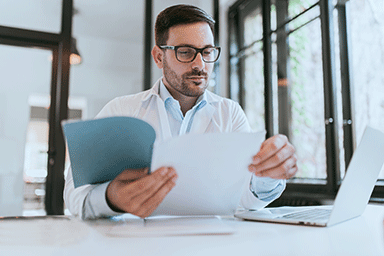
point(212, 169)
point(171, 226)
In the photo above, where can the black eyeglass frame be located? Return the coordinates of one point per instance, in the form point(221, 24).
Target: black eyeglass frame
point(198, 50)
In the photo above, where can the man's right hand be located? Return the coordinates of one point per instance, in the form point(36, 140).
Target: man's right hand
point(140, 193)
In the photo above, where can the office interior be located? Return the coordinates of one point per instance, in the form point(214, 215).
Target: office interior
point(309, 69)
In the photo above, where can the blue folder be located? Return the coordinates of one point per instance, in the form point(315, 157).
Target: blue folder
point(101, 149)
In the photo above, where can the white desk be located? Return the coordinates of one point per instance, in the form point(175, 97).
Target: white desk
point(360, 236)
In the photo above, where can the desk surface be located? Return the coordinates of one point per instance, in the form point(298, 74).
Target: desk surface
point(62, 236)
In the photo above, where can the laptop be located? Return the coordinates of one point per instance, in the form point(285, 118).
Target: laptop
point(352, 197)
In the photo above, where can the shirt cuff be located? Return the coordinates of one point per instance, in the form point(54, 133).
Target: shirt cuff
point(267, 189)
point(96, 205)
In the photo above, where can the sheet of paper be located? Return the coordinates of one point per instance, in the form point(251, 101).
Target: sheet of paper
point(212, 169)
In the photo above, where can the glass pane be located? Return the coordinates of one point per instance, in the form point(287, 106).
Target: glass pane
point(297, 6)
point(253, 28)
point(35, 162)
point(304, 18)
point(275, 95)
point(25, 76)
point(339, 95)
point(308, 130)
point(32, 14)
point(233, 48)
point(253, 93)
point(367, 41)
point(254, 90)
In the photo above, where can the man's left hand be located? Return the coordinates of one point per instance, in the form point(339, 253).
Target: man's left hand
point(276, 159)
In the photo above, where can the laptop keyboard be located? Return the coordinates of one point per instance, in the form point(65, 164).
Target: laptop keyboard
point(309, 215)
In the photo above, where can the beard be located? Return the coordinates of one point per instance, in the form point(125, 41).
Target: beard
point(182, 84)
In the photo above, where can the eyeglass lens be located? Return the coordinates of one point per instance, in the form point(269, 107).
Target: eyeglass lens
point(186, 54)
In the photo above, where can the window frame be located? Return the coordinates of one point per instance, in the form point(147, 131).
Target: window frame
point(59, 44)
point(307, 189)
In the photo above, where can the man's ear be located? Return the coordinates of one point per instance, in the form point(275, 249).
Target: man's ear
point(158, 55)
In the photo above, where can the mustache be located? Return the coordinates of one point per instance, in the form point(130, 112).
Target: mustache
point(196, 73)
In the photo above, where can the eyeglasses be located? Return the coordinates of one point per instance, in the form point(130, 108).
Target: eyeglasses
point(187, 54)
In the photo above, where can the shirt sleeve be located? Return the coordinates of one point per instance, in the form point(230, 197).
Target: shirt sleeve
point(261, 192)
point(95, 205)
point(266, 189)
point(88, 201)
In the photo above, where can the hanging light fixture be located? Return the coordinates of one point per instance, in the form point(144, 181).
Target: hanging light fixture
point(74, 58)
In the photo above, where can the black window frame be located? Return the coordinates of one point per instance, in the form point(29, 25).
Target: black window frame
point(310, 191)
point(59, 44)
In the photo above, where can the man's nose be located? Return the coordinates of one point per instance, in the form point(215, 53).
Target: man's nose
point(198, 62)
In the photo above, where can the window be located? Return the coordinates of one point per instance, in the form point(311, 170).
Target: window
point(59, 46)
point(36, 157)
point(320, 70)
point(367, 65)
point(42, 15)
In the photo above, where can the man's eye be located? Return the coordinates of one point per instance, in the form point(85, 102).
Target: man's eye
point(208, 51)
point(185, 50)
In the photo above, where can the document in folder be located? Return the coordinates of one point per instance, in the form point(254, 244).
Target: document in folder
point(212, 167)
point(101, 149)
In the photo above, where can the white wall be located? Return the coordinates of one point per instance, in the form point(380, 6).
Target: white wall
point(110, 68)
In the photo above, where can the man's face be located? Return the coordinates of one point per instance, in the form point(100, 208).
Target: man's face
point(188, 79)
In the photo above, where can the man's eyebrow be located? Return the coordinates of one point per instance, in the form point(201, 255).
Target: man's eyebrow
point(189, 45)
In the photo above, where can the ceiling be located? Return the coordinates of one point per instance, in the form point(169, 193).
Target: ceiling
point(113, 19)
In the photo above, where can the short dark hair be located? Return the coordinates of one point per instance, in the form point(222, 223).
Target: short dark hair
point(178, 15)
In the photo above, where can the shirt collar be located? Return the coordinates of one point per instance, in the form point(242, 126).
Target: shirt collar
point(164, 93)
point(166, 96)
point(208, 96)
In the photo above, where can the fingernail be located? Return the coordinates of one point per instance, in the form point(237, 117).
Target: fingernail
point(256, 160)
point(164, 171)
point(174, 179)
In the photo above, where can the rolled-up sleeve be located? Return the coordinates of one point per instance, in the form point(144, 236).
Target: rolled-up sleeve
point(262, 191)
point(88, 201)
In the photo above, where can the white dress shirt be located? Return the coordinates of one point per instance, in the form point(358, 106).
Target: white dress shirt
point(211, 113)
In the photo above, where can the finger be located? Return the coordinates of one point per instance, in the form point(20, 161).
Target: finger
point(155, 200)
point(133, 195)
point(118, 192)
point(147, 186)
point(146, 203)
point(132, 174)
point(270, 147)
point(284, 171)
point(275, 160)
point(151, 191)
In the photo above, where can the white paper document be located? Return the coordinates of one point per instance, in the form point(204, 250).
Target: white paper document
point(212, 169)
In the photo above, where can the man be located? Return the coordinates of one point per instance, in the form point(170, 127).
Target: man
point(177, 104)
